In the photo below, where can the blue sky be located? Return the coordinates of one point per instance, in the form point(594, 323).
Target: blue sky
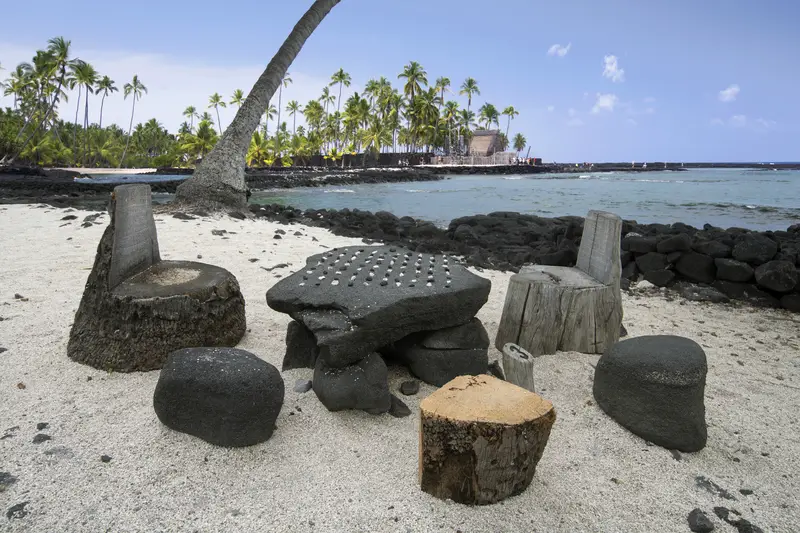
point(681, 80)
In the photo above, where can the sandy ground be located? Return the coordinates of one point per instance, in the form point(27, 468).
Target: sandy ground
point(352, 472)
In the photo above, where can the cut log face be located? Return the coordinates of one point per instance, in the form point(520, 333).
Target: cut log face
point(550, 308)
point(481, 439)
point(165, 306)
point(135, 245)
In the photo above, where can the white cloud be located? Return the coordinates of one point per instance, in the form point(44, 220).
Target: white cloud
point(632, 122)
point(649, 100)
point(571, 112)
point(551, 108)
point(649, 111)
point(738, 121)
point(605, 102)
point(173, 84)
point(717, 122)
point(559, 50)
point(729, 94)
point(611, 69)
point(766, 124)
point(574, 122)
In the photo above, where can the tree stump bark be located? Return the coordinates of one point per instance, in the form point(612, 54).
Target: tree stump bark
point(481, 439)
point(518, 366)
point(135, 325)
point(548, 309)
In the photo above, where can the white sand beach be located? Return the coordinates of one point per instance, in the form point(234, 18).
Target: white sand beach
point(350, 471)
point(94, 171)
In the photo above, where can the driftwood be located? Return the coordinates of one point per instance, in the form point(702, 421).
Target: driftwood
point(481, 439)
point(569, 309)
point(518, 366)
point(137, 309)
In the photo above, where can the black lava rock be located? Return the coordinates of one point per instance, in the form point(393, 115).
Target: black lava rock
point(733, 270)
point(399, 409)
point(629, 271)
point(6, 480)
point(749, 293)
point(712, 249)
point(755, 248)
point(791, 302)
point(702, 294)
point(301, 347)
point(15, 512)
point(660, 278)
point(639, 245)
point(697, 267)
point(41, 425)
point(676, 243)
point(651, 261)
point(778, 276)
point(699, 522)
point(360, 386)
point(225, 396)
point(409, 387)
point(40, 438)
point(654, 387)
point(105, 458)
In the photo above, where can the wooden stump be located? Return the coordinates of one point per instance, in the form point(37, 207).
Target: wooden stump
point(548, 309)
point(518, 366)
point(481, 439)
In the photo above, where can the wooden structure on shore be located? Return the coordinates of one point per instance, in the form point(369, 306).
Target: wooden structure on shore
point(551, 308)
point(484, 143)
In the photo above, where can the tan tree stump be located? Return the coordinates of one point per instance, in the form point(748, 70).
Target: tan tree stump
point(550, 308)
point(481, 439)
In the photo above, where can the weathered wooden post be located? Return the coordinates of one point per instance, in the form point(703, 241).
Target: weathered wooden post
point(518, 366)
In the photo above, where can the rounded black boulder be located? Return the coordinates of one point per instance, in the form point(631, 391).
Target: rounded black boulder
point(654, 387)
point(225, 396)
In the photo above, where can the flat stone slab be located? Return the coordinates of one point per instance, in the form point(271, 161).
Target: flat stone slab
point(357, 299)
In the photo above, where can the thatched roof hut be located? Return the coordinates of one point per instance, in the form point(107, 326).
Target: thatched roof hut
point(484, 142)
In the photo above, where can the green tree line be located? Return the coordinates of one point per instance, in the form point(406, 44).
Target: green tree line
point(414, 116)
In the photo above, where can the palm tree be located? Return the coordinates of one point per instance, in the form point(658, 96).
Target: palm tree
point(84, 76)
point(416, 78)
point(207, 117)
point(343, 79)
point(219, 180)
point(55, 61)
point(511, 113)
point(469, 88)
point(191, 113)
point(442, 85)
point(269, 113)
point(135, 88)
point(519, 143)
point(238, 98)
point(199, 144)
point(106, 86)
point(293, 108)
point(285, 82)
point(215, 101)
point(488, 113)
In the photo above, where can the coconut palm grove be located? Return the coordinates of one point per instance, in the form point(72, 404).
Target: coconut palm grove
point(410, 114)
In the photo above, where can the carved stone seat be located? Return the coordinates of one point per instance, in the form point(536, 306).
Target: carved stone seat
point(550, 308)
point(137, 309)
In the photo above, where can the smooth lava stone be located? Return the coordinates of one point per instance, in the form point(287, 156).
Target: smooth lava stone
point(654, 386)
point(225, 396)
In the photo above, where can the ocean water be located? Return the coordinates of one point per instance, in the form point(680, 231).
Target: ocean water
point(721, 197)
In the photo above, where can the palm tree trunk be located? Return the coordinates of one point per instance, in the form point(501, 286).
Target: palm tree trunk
point(75, 131)
point(280, 96)
point(130, 127)
point(219, 122)
point(219, 180)
point(102, 103)
point(85, 125)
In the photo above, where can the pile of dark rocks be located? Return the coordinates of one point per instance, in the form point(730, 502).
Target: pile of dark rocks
point(735, 263)
point(355, 308)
